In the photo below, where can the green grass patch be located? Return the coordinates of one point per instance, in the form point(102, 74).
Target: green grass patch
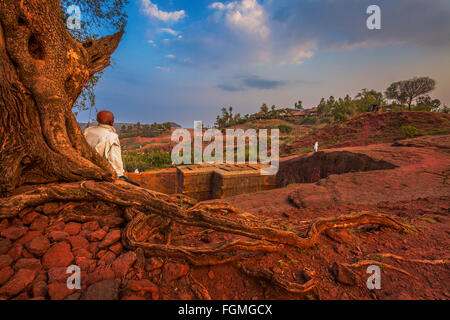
point(409, 131)
point(429, 220)
point(152, 159)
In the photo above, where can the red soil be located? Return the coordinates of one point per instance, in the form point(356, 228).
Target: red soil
point(35, 249)
point(372, 128)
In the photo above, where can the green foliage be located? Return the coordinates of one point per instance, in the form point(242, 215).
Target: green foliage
point(146, 131)
point(265, 108)
point(368, 98)
point(444, 109)
point(409, 131)
point(86, 100)
point(299, 105)
point(325, 107)
point(228, 119)
point(425, 103)
point(152, 159)
point(407, 91)
point(98, 17)
point(285, 129)
point(344, 108)
point(308, 121)
point(274, 112)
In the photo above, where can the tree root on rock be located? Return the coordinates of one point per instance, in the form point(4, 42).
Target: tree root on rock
point(151, 215)
point(433, 262)
point(276, 279)
point(395, 257)
point(199, 290)
point(365, 263)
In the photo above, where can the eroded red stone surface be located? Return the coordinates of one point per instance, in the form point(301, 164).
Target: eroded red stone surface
point(33, 261)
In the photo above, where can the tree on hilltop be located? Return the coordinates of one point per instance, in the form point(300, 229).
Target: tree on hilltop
point(406, 91)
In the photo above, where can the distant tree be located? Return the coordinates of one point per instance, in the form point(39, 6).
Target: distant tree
point(344, 108)
point(299, 105)
point(146, 130)
point(167, 126)
point(237, 119)
point(230, 120)
point(408, 90)
point(367, 98)
point(330, 102)
point(326, 106)
point(265, 108)
point(321, 107)
point(273, 112)
point(426, 103)
point(226, 119)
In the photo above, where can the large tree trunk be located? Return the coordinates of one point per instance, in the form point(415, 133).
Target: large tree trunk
point(42, 72)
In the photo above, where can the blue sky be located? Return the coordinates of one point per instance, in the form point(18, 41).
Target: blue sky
point(183, 60)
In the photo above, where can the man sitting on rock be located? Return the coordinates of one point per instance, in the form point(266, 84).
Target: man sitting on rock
point(105, 140)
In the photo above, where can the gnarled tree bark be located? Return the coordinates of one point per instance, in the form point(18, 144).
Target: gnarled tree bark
point(42, 72)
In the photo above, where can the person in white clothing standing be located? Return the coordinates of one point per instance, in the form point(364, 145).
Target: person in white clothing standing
point(316, 147)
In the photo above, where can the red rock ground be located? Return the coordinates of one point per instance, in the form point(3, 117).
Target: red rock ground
point(35, 249)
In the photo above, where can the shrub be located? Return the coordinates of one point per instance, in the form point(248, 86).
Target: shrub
point(151, 159)
point(309, 121)
point(409, 131)
point(285, 129)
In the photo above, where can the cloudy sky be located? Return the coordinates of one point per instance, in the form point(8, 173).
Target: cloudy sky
point(183, 60)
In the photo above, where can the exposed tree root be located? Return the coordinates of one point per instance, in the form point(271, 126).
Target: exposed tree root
point(196, 235)
point(364, 263)
point(207, 255)
point(151, 216)
point(277, 280)
point(433, 262)
point(199, 290)
point(224, 208)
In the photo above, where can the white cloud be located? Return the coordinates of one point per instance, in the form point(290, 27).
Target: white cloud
point(170, 56)
point(244, 15)
point(151, 10)
point(163, 69)
point(301, 52)
point(366, 44)
point(169, 31)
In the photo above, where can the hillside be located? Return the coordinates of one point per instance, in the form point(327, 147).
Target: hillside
point(370, 128)
point(297, 129)
point(118, 126)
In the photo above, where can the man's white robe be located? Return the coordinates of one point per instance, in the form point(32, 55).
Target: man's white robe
point(105, 140)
